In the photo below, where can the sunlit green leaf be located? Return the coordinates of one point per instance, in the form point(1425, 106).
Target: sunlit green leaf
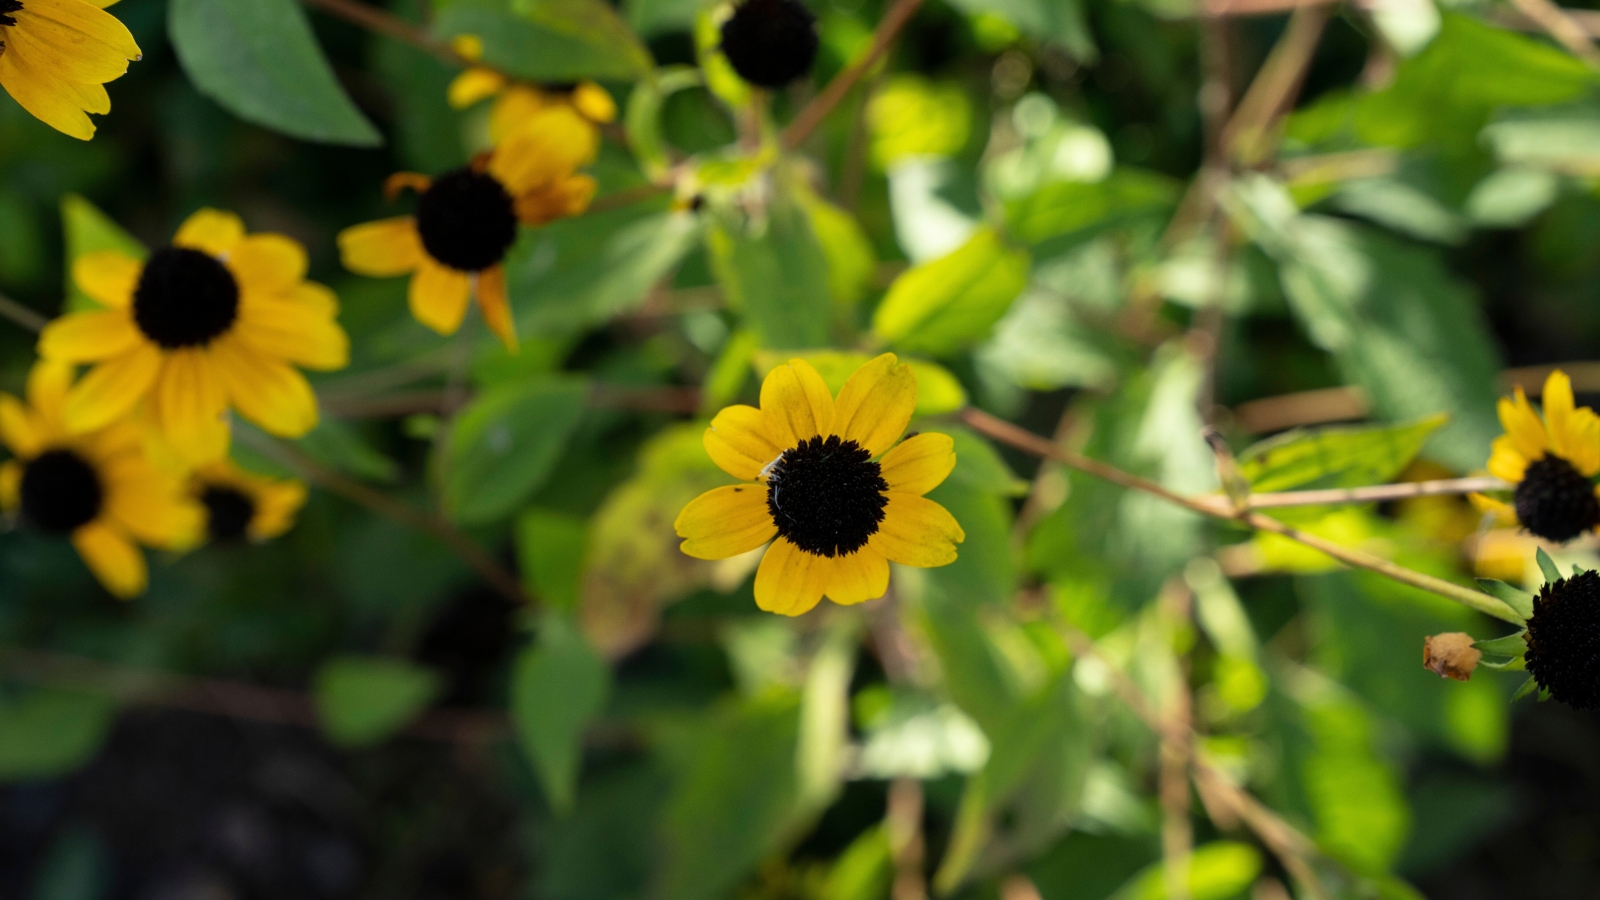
point(777, 277)
point(952, 302)
point(1219, 870)
point(1335, 457)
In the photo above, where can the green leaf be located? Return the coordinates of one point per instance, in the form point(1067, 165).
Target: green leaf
point(1355, 796)
point(1552, 573)
point(864, 871)
point(1059, 21)
point(851, 261)
point(825, 715)
point(260, 61)
point(503, 446)
point(777, 278)
point(363, 700)
point(1337, 457)
point(643, 116)
point(1510, 645)
point(48, 733)
point(340, 446)
point(546, 42)
point(550, 552)
point(88, 230)
point(1517, 599)
point(979, 466)
point(952, 302)
point(558, 686)
point(1219, 870)
point(1527, 688)
point(1066, 213)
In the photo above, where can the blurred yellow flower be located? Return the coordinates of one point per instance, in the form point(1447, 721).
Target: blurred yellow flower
point(219, 319)
point(515, 101)
point(1551, 461)
point(241, 504)
point(828, 484)
point(466, 221)
point(97, 488)
point(56, 55)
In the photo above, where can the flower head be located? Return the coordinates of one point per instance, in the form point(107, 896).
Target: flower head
point(770, 42)
point(466, 221)
point(515, 102)
point(1552, 461)
point(1564, 640)
point(97, 488)
point(243, 505)
point(57, 55)
point(829, 483)
point(218, 320)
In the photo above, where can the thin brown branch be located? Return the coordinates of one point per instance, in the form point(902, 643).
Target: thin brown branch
point(1562, 26)
point(1257, 7)
point(387, 24)
point(21, 315)
point(814, 112)
point(1222, 508)
point(683, 401)
point(626, 197)
point(1378, 493)
point(1176, 752)
point(1250, 133)
point(1317, 407)
point(470, 553)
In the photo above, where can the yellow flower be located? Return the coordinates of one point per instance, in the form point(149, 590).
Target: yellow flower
point(241, 504)
point(466, 221)
point(516, 102)
point(96, 487)
point(56, 55)
point(835, 494)
point(219, 319)
point(1551, 461)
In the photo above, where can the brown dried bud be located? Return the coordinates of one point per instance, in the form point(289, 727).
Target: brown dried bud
point(1450, 655)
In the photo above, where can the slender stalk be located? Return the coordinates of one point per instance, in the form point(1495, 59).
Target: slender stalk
point(1561, 26)
point(21, 315)
point(382, 504)
point(1176, 752)
point(1221, 508)
point(391, 25)
point(1378, 493)
point(814, 112)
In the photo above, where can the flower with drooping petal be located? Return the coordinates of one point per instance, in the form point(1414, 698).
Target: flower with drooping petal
point(96, 488)
point(56, 57)
point(829, 483)
point(455, 245)
point(1552, 462)
point(218, 320)
point(515, 102)
point(242, 505)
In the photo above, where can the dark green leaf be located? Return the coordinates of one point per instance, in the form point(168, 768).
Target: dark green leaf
point(559, 684)
point(550, 549)
point(1519, 600)
point(259, 59)
point(1547, 566)
point(48, 733)
point(363, 700)
point(554, 42)
point(503, 446)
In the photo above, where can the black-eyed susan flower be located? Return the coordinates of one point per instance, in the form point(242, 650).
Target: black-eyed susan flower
point(96, 488)
point(242, 505)
point(515, 102)
point(466, 221)
point(57, 55)
point(829, 483)
point(1564, 640)
point(1552, 461)
point(770, 42)
point(218, 320)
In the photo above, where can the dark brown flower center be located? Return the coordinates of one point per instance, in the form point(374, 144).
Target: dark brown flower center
point(7, 7)
point(770, 42)
point(1555, 501)
point(1564, 640)
point(185, 298)
point(826, 496)
point(60, 492)
point(467, 220)
point(228, 512)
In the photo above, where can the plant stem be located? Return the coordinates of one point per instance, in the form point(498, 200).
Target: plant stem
point(817, 110)
point(21, 315)
point(1378, 493)
point(1221, 508)
point(390, 25)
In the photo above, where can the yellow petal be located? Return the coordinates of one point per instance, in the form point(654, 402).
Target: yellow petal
point(10, 484)
point(858, 577)
point(513, 108)
point(382, 249)
point(78, 43)
point(474, 84)
point(1558, 407)
point(1504, 513)
point(189, 403)
point(276, 505)
point(89, 336)
point(725, 521)
point(1523, 426)
point(1584, 436)
point(151, 505)
point(439, 295)
point(113, 559)
point(919, 464)
point(18, 429)
point(48, 383)
point(212, 231)
point(467, 46)
point(552, 143)
point(558, 199)
point(495, 305)
point(876, 404)
point(108, 277)
point(791, 581)
point(1505, 463)
point(48, 98)
point(318, 297)
point(738, 442)
point(268, 392)
point(100, 30)
point(594, 102)
point(917, 532)
point(796, 403)
point(295, 331)
point(268, 263)
point(111, 388)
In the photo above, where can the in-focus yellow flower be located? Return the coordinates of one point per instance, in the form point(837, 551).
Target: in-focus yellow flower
point(828, 485)
point(241, 504)
point(219, 319)
point(57, 55)
point(466, 221)
point(516, 102)
point(1552, 461)
point(97, 488)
